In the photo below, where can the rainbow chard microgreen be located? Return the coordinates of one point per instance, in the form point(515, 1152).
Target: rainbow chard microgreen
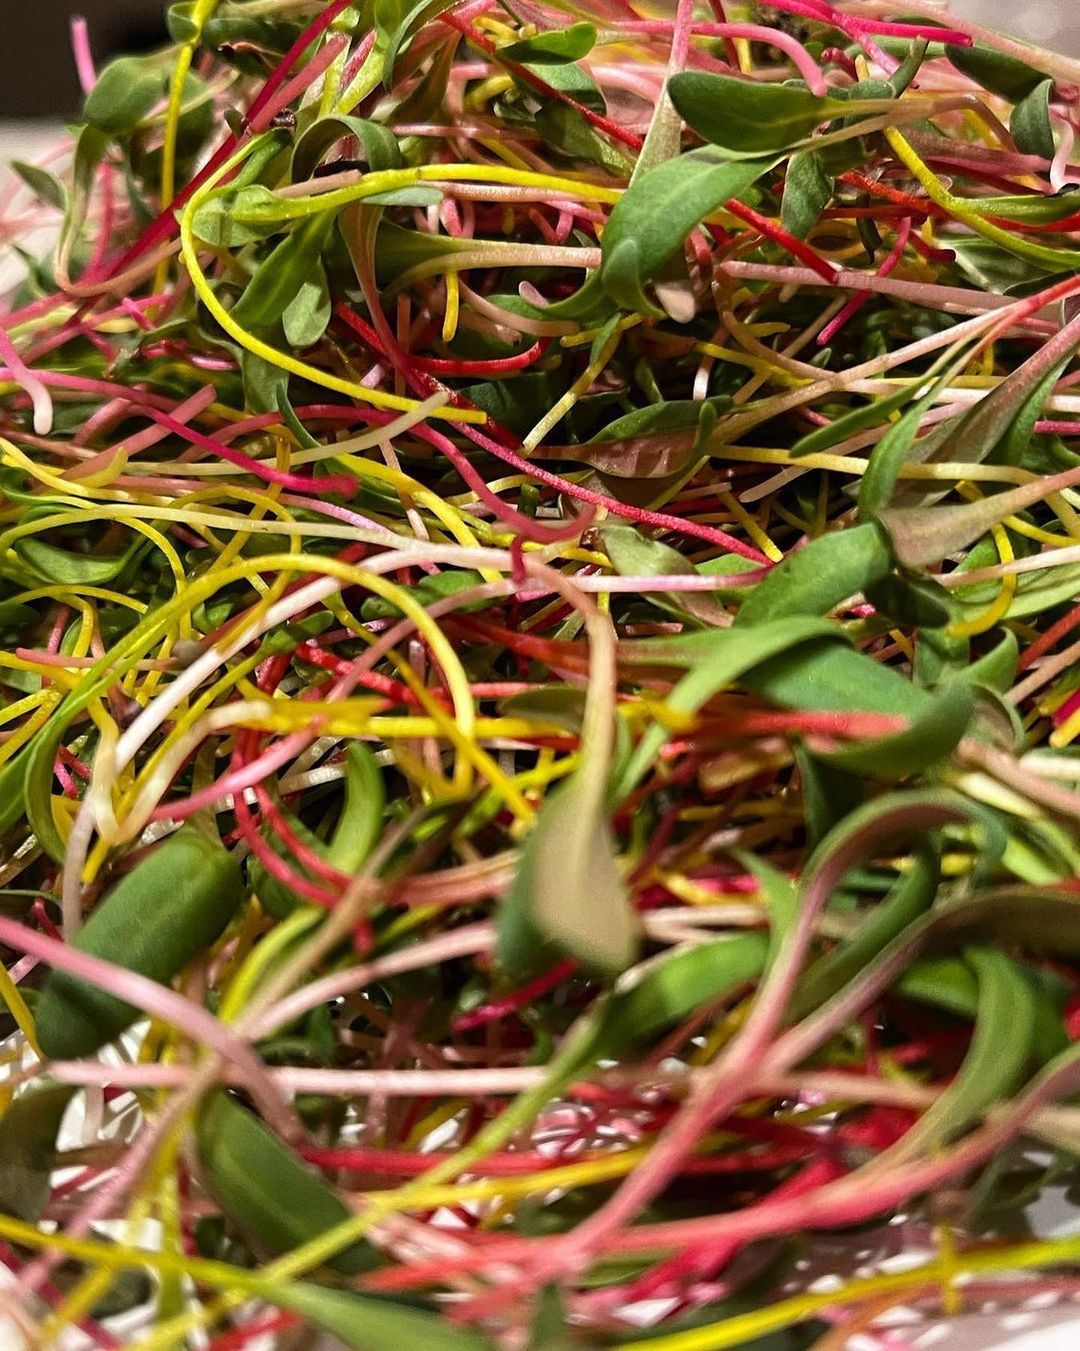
point(539, 631)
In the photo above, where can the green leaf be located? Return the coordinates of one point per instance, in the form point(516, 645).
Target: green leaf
point(90, 147)
point(662, 993)
point(828, 676)
point(1030, 124)
point(632, 555)
point(1002, 75)
point(998, 1057)
point(932, 736)
point(568, 896)
point(891, 453)
point(651, 220)
point(828, 794)
point(555, 48)
point(808, 189)
point(56, 564)
point(815, 579)
point(370, 1324)
point(28, 1131)
point(306, 316)
point(157, 919)
point(565, 129)
point(126, 90)
point(378, 144)
point(871, 414)
point(42, 183)
point(282, 274)
point(275, 1200)
point(715, 661)
point(997, 668)
point(398, 38)
point(747, 116)
point(911, 896)
point(921, 602)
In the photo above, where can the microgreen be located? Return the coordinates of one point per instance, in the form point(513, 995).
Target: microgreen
point(539, 578)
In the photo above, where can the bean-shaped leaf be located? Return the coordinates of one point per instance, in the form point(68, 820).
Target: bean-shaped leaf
point(275, 1200)
point(657, 212)
point(747, 116)
point(1030, 124)
point(158, 918)
point(554, 48)
point(28, 1131)
point(371, 1324)
point(815, 579)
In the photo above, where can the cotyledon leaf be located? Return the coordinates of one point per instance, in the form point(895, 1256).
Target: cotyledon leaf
point(157, 919)
point(814, 579)
point(931, 736)
point(651, 220)
point(275, 1200)
point(28, 1132)
point(725, 657)
point(1000, 1052)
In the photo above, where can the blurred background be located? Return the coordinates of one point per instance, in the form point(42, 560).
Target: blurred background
point(37, 77)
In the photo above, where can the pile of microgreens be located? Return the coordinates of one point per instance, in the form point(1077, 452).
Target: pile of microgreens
point(541, 612)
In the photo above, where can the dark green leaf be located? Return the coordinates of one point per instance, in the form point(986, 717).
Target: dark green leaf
point(808, 189)
point(157, 919)
point(28, 1131)
point(554, 48)
point(996, 668)
point(1000, 1053)
point(911, 895)
point(920, 602)
point(662, 993)
point(654, 216)
point(815, 579)
point(715, 660)
point(748, 116)
point(932, 736)
point(306, 316)
point(826, 675)
point(370, 1324)
point(281, 275)
point(378, 144)
point(1030, 123)
point(276, 1202)
point(1003, 75)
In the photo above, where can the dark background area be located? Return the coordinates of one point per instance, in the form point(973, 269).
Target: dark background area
point(37, 72)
